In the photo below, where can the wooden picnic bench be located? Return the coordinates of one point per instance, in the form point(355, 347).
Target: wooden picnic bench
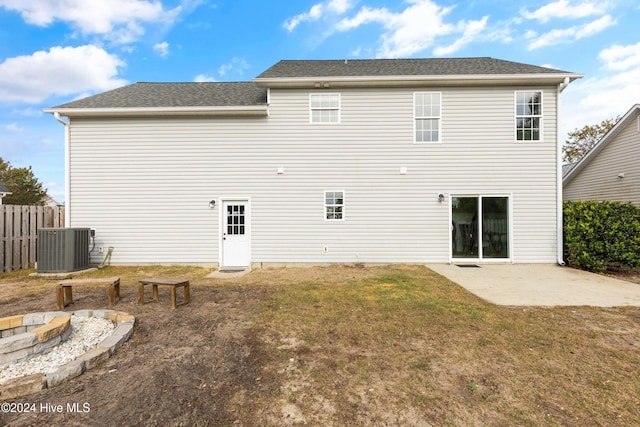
point(64, 289)
point(174, 284)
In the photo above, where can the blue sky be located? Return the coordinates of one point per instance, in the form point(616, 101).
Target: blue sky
point(55, 51)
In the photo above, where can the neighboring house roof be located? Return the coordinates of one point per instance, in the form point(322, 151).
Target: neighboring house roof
point(603, 142)
point(567, 168)
point(50, 201)
point(4, 190)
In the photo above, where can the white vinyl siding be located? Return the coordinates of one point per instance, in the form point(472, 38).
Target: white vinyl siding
point(600, 179)
point(144, 184)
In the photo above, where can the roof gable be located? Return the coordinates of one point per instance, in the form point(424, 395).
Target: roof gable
point(626, 120)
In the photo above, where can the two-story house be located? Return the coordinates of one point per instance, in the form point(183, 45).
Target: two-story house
point(364, 161)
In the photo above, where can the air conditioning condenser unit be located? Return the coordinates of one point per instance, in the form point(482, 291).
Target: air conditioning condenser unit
point(62, 250)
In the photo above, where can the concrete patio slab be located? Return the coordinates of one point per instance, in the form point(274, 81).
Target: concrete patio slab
point(227, 274)
point(541, 285)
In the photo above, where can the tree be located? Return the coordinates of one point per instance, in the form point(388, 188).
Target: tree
point(26, 189)
point(582, 140)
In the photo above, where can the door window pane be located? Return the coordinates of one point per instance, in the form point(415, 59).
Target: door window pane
point(480, 227)
point(464, 227)
point(235, 220)
point(495, 227)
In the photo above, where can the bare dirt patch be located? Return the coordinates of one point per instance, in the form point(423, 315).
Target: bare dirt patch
point(341, 345)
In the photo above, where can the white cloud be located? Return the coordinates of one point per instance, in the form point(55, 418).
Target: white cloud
point(566, 9)
point(339, 6)
point(239, 65)
point(318, 11)
point(120, 20)
point(619, 57)
point(470, 31)
point(612, 93)
point(27, 112)
point(571, 34)
point(203, 78)
point(162, 49)
point(59, 71)
point(414, 29)
point(361, 52)
point(13, 127)
point(366, 15)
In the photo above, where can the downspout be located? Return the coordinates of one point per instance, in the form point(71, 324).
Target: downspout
point(559, 216)
point(67, 172)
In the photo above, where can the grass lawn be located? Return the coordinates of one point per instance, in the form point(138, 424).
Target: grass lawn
point(406, 346)
point(340, 346)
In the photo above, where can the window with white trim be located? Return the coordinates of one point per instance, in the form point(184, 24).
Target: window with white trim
point(324, 108)
point(427, 112)
point(528, 115)
point(334, 205)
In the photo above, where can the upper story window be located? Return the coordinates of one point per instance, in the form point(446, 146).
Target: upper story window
point(334, 205)
point(324, 108)
point(427, 112)
point(528, 116)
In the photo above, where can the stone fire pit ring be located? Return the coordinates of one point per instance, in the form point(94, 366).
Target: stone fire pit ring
point(29, 335)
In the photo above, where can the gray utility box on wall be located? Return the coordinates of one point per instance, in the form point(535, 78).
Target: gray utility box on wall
point(61, 250)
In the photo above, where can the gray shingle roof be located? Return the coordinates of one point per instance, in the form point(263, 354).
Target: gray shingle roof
point(401, 67)
point(567, 168)
point(153, 95)
point(4, 189)
point(250, 94)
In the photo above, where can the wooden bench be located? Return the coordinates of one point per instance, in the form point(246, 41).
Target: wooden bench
point(64, 289)
point(154, 282)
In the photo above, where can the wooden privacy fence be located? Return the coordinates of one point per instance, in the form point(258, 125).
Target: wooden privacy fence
point(19, 233)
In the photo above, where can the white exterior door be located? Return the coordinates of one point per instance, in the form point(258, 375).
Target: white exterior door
point(236, 238)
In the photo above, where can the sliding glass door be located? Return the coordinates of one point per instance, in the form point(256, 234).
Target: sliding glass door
point(480, 227)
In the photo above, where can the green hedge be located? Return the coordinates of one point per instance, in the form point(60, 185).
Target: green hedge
point(601, 235)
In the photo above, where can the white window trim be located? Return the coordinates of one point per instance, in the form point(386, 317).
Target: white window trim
point(311, 95)
point(515, 116)
point(415, 118)
point(324, 206)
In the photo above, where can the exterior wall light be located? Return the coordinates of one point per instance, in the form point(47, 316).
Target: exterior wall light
point(212, 204)
point(440, 197)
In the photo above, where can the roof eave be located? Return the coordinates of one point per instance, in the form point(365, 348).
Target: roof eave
point(414, 81)
point(253, 110)
point(599, 146)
